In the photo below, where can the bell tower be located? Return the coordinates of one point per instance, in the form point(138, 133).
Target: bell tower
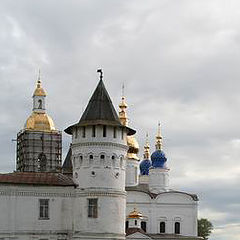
point(39, 144)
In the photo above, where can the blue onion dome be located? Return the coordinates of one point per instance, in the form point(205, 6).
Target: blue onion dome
point(144, 166)
point(158, 157)
point(146, 163)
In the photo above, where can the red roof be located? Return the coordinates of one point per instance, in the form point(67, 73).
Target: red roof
point(37, 178)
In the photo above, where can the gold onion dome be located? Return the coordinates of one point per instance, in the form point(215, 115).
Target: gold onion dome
point(135, 214)
point(131, 140)
point(133, 147)
point(39, 91)
point(39, 122)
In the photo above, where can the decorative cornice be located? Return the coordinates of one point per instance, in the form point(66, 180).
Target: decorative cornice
point(35, 193)
point(100, 144)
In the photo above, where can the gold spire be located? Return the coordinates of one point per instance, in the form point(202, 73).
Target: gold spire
point(158, 139)
point(123, 113)
point(39, 91)
point(133, 146)
point(146, 154)
point(39, 120)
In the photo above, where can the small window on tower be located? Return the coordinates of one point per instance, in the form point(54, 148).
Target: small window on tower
point(93, 131)
point(104, 130)
point(114, 132)
point(122, 133)
point(93, 208)
point(39, 104)
point(76, 132)
point(83, 132)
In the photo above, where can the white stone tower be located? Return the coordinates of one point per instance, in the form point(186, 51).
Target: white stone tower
point(132, 160)
point(158, 172)
point(99, 148)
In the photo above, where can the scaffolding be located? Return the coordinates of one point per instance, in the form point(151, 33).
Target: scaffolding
point(39, 151)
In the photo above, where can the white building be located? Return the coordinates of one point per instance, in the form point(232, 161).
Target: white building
point(99, 186)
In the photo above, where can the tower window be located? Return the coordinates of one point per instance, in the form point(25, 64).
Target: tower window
point(39, 104)
point(122, 133)
point(135, 222)
point(104, 130)
point(144, 226)
point(114, 132)
point(43, 208)
point(84, 132)
point(177, 227)
point(93, 131)
point(76, 132)
point(42, 162)
point(162, 227)
point(102, 156)
point(92, 208)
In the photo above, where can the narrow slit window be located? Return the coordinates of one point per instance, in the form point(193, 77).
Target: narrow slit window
point(84, 132)
point(93, 131)
point(114, 132)
point(122, 133)
point(104, 130)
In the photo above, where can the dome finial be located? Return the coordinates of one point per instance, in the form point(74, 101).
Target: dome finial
point(158, 138)
point(39, 91)
point(146, 154)
point(123, 106)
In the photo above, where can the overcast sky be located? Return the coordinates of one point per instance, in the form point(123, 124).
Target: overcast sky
point(179, 61)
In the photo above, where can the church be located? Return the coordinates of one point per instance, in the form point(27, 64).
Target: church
point(101, 191)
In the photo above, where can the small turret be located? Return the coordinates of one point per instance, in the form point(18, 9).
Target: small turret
point(158, 173)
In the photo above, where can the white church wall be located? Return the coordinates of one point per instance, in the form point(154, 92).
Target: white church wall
point(167, 207)
point(19, 207)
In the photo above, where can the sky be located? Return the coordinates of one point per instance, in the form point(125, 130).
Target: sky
point(179, 63)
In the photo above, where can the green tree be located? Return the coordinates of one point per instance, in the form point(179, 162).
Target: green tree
point(205, 228)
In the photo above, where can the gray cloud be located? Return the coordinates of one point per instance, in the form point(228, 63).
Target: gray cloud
point(178, 60)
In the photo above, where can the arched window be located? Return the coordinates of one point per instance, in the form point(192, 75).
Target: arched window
point(39, 104)
point(102, 159)
point(177, 228)
point(42, 162)
point(162, 227)
point(80, 160)
point(90, 159)
point(144, 226)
